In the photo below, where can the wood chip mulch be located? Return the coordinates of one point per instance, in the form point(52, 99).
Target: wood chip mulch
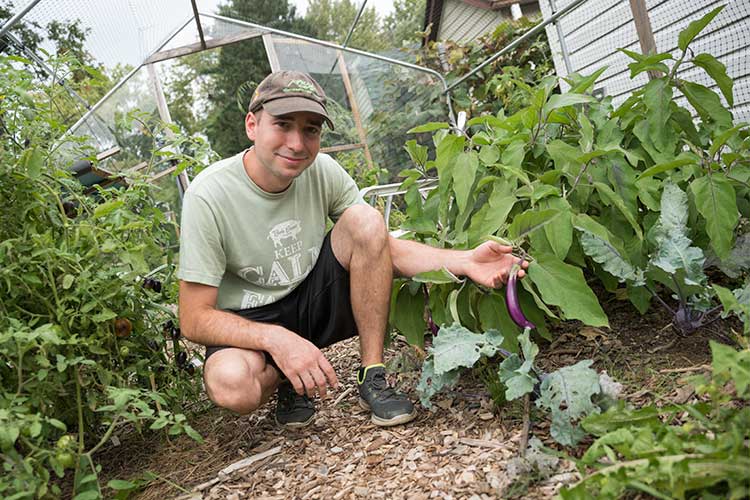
point(459, 449)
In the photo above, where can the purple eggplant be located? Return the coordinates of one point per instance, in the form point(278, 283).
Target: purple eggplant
point(511, 299)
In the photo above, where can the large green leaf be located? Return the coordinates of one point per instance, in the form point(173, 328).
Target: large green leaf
point(407, 315)
point(456, 347)
point(567, 394)
point(559, 234)
point(529, 221)
point(430, 383)
point(684, 158)
point(564, 156)
point(688, 34)
point(438, 276)
point(657, 96)
point(494, 213)
point(612, 261)
point(717, 202)
point(513, 153)
point(463, 177)
point(417, 152)
point(558, 101)
point(428, 127)
point(673, 250)
point(516, 373)
point(718, 72)
point(611, 198)
point(493, 314)
point(563, 285)
point(707, 104)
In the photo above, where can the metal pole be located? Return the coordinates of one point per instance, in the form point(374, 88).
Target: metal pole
point(346, 49)
point(198, 22)
point(518, 41)
point(13, 20)
point(125, 79)
point(561, 39)
point(351, 30)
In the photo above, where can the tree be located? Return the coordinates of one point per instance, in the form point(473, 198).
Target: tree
point(404, 24)
point(332, 19)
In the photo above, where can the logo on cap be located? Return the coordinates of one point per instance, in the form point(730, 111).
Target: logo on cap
point(301, 86)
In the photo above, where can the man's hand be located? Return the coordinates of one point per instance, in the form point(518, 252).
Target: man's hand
point(489, 264)
point(302, 363)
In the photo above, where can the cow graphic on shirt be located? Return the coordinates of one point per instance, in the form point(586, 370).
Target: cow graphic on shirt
point(286, 230)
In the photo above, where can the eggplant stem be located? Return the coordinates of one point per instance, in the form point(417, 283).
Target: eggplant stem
point(661, 301)
point(524, 443)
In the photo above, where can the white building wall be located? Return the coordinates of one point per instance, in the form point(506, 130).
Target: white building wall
point(595, 30)
point(461, 22)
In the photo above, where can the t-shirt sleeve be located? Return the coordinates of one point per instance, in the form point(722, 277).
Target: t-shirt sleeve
point(202, 257)
point(343, 191)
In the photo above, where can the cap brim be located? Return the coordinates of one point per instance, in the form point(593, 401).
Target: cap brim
point(288, 105)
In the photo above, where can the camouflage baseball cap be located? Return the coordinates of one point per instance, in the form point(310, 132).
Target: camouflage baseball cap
point(284, 92)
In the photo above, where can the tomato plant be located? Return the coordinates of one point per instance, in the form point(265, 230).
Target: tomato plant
point(80, 337)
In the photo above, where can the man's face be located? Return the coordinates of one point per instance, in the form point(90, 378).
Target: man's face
point(284, 146)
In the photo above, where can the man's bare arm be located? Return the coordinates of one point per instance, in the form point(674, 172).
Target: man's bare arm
point(488, 264)
point(299, 359)
point(202, 323)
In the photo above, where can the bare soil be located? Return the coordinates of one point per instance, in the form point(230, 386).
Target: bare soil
point(463, 448)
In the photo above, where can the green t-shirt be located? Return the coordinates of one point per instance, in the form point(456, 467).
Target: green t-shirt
point(258, 246)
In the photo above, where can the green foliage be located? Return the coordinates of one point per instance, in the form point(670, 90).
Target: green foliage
point(81, 335)
point(640, 194)
point(698, 450)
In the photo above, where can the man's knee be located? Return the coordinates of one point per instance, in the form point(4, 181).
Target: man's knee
point(366, 225)
point(232, 384)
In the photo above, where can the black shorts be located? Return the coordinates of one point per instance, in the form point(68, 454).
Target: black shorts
point(319, 309)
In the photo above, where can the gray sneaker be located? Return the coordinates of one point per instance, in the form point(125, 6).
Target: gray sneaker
point(388, 407)
point(293, 410)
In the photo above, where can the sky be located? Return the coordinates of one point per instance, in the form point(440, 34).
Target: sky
point(383, 7)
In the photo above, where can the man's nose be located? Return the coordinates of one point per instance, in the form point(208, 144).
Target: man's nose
point(295, 141)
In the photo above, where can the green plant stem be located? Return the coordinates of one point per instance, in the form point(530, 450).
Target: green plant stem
point(79, 404)
point(105, 437)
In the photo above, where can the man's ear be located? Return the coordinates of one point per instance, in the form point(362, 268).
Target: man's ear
point(251, 125)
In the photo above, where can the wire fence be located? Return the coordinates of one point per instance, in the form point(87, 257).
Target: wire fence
point(589, 36)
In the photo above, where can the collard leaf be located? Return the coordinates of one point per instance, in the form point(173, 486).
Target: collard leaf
point(612, 261)
point(438, 276)
point(530, 221)
point(673, 250)
point(717, 203)
point(567, 393)
point(694, 28)
point(456, 347)
point(517, 377)
point(430, 383)
point(563, 285)
point(718, 72)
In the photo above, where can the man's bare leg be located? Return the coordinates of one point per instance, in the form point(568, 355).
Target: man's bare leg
point(239, 379)
point(360, 243)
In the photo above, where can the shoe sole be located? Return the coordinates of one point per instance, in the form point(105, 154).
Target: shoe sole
point(382, 422)
point(295, 425)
